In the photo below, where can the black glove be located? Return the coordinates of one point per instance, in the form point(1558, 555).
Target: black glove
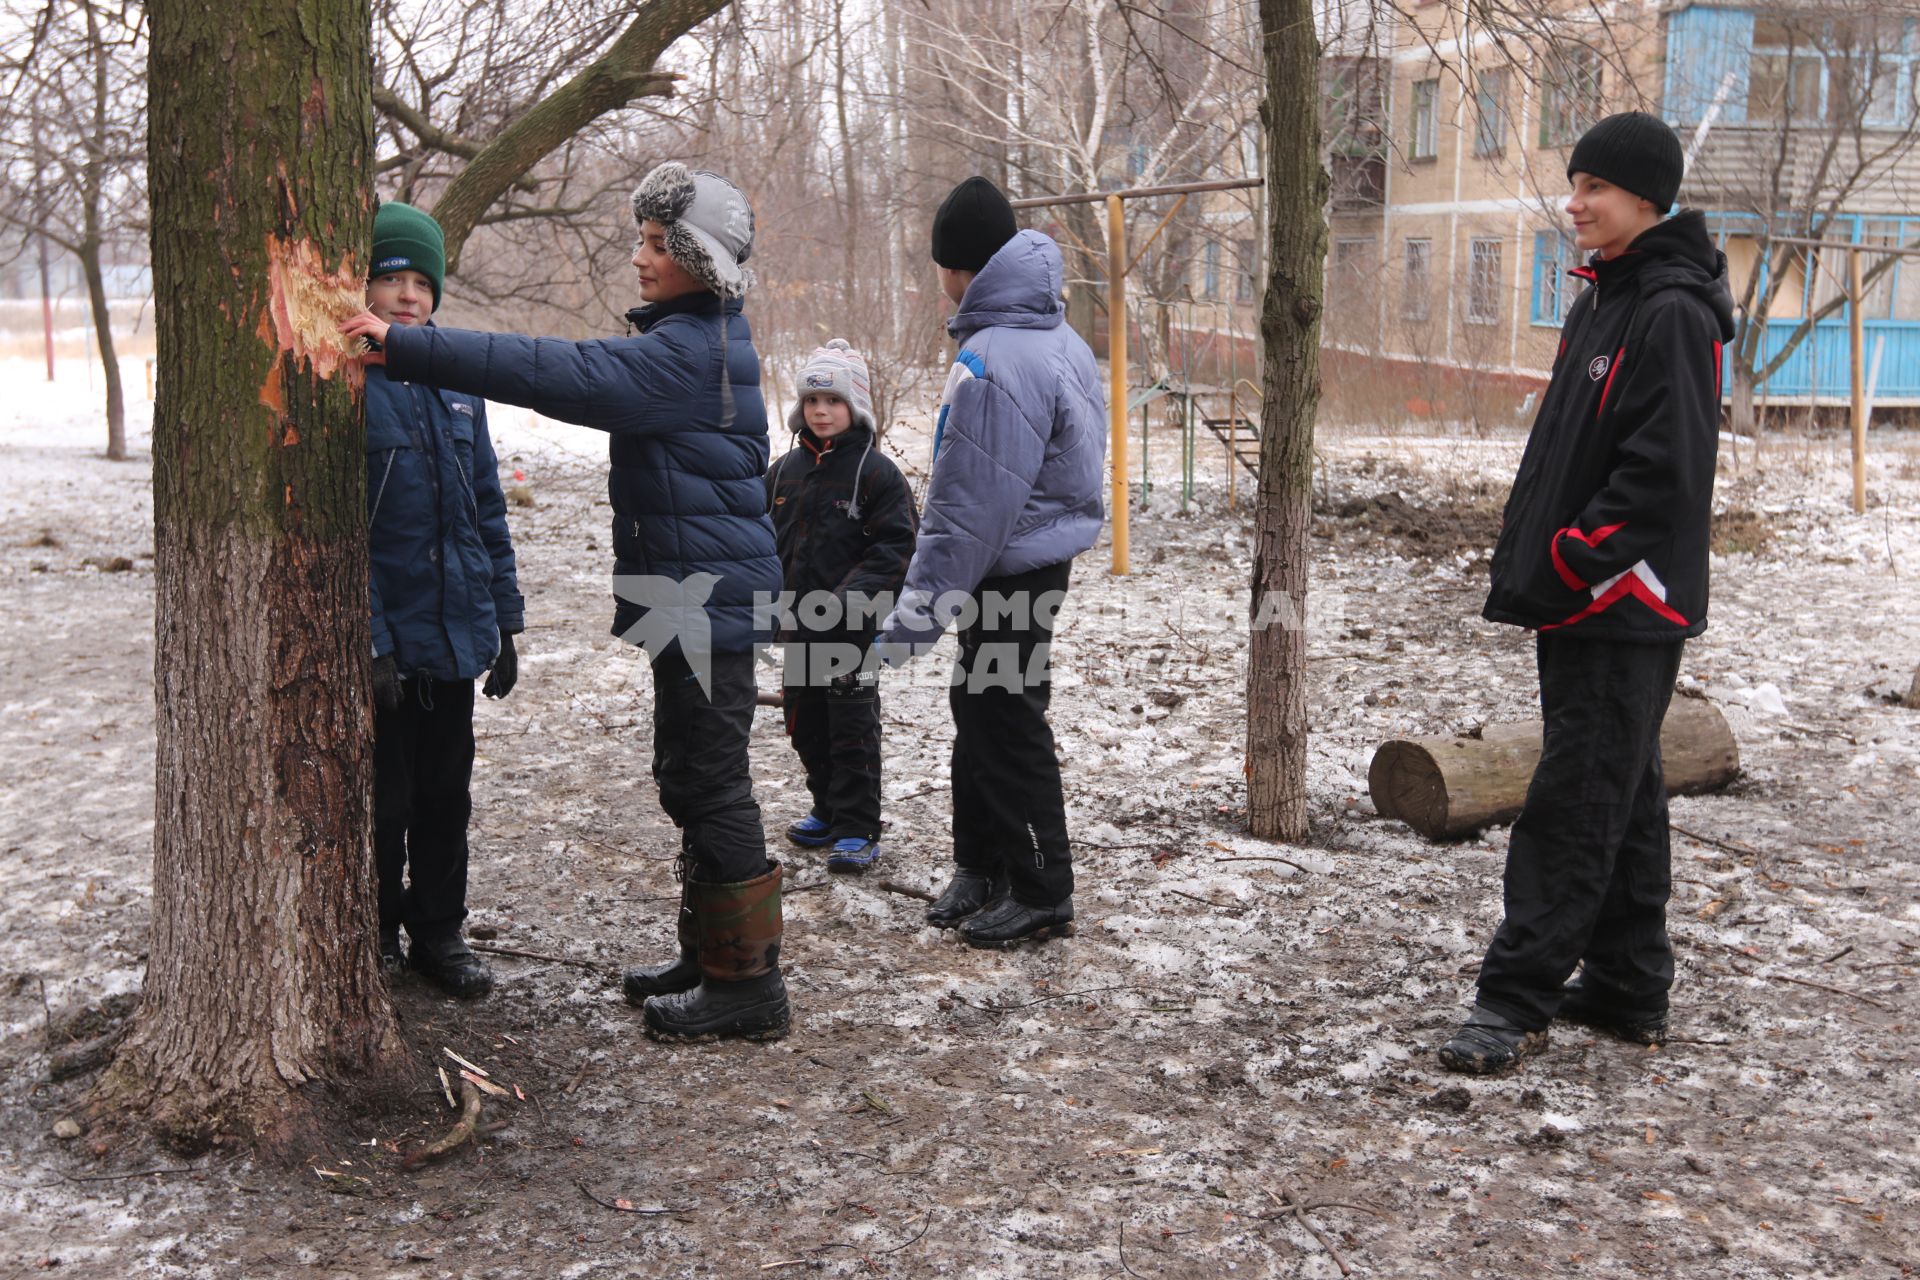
point(506, 670)
point(386, 683)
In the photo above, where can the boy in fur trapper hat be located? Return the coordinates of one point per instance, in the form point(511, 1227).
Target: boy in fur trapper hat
point(844, 521)
point(693, 552)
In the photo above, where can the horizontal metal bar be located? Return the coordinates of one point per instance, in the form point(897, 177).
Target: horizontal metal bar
point(1899, 251)
point(1139, 193)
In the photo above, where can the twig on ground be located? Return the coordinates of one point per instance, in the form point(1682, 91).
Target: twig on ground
point(1058, 995)
point(1286, 861)
point(802, 888)
point(1731, 846)
point(1299, 1208)
point(1123, 1252)
point(906, 891)
point(790, 1262)
point(1844, 951)
point(462, 1130)
point(916, 1240)
point(626, 1206)
point(578, 1076)
point(924, 791)
point(143, 1173)
point(1207, 902)
point(1875, 1001)
point(490, 949)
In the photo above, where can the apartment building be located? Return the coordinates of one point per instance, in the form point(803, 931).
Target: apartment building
point(1798, 122)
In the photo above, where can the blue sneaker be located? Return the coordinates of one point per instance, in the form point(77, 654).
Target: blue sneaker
point(853, 854)
point(811, 831)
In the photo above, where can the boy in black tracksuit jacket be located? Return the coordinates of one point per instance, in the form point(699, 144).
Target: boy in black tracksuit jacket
point(844, 525)
point(1603, 554)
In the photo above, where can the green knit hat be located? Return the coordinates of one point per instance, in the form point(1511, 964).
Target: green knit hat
point(405, 239)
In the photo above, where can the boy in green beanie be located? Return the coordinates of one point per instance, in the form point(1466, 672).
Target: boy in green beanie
point(446, 606)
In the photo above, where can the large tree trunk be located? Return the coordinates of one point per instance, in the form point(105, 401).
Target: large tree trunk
point(262, 975)
point(1290, 338)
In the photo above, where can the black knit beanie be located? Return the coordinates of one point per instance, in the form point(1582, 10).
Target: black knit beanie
point(973, 222)
point(1635, 152)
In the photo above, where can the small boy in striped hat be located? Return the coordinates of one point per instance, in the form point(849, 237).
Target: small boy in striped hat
point(844, 524)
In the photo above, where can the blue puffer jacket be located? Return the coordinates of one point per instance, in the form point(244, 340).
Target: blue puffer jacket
point(443, 585)
point(1019, 444)
point(681, 400)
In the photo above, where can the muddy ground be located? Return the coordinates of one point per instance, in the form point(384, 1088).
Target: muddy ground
point(1237, 1026)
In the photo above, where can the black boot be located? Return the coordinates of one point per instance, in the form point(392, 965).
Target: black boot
point(679, 974)
point(449, 964)
point(741, 993)
point(1591, 1005)
point(1489, 1042)
point(965, 894)
point(1006, 922)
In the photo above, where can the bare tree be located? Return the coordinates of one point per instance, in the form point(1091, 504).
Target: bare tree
point(1818, 134)
point(1297, 190)
point(71, 169)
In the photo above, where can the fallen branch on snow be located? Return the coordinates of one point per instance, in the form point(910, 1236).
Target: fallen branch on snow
point(462, 1131)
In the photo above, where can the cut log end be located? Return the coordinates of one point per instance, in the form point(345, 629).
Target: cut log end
point(1407, 784)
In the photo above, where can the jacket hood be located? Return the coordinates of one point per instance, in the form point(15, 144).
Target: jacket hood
point(1679, 254)
point(1019, 288)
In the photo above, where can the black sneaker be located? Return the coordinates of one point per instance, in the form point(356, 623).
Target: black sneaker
point(393, 960)
point(964, 895)
point(1007, 922)
point(1488, 1043)
point(1591, 1005)
point(449, 964)
point(755, 1009)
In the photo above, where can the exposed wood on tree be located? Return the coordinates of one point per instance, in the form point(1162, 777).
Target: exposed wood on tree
point(1453, 786)
point(1290, 338)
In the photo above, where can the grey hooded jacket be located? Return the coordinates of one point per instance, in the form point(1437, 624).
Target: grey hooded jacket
point(1019, 445)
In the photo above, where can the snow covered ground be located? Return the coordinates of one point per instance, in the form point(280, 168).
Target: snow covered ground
point(1235, 1021)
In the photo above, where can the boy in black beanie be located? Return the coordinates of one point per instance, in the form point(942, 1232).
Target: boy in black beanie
point(1603, 554)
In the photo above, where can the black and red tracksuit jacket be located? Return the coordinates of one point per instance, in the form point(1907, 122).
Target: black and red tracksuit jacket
point(1607, 528)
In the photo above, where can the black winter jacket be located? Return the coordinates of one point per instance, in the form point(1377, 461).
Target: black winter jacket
point(1607, 528)
point(832, 540)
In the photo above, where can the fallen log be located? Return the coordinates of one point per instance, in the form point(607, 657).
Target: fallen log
point(1446, 788)
point(1913, 691)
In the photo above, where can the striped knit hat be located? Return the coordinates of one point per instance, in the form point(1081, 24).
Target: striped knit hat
point(836, 370)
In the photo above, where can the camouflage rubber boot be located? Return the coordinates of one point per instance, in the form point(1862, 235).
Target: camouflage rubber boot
point(682, 973)
point(741, 993)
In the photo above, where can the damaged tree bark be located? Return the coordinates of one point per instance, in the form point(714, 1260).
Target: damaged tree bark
point(1445, 788)
point(262, 977)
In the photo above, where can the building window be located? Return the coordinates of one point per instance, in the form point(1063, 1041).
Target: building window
point(1490, 109)
point(1210, 272)
point(1553, 290)
point(1416, 301)
point(1483, 282)
point(1426, 120)
point(1571, 94)
point(1243, 278)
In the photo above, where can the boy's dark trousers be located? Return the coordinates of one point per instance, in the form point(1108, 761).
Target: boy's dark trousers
point(1588, 870)
point(422, 767)
point(836, 731)
point(700, 766)
point(1009, 814)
